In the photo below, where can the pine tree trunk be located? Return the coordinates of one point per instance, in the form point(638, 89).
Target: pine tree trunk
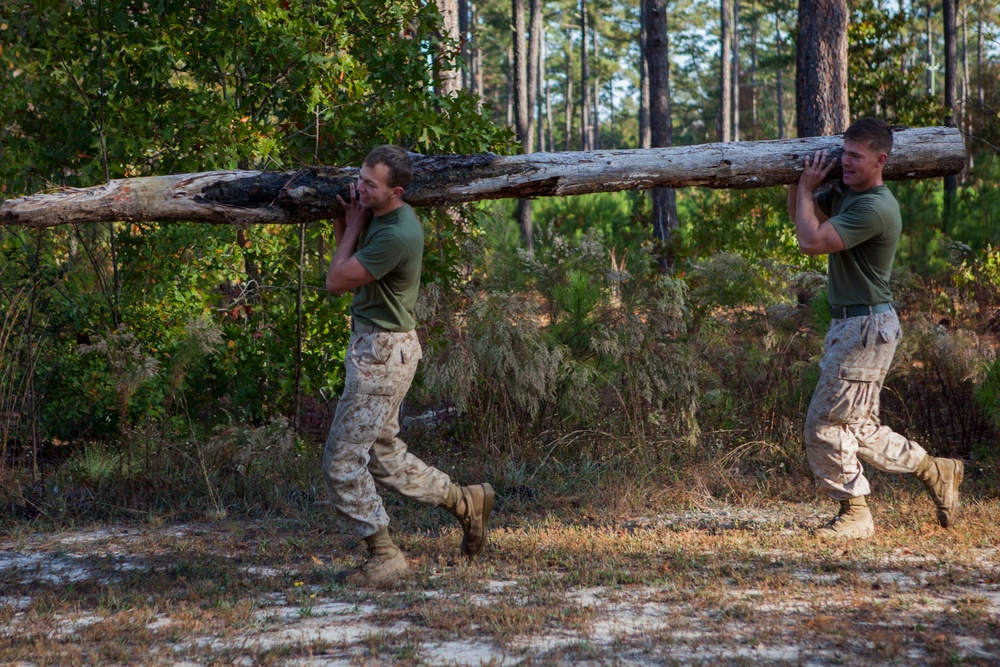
point(448, 76)
point(980, 90)
point(821, 68)
point(929, 50)
point(595, 142)
point(464, 9)
point(534, 50)
point(548, 99)
point(477, 57)
point(645, 140)
point(585, 134)
point(541, 89)
point(950, 93)
point(522, 112)
point(725, 70)
point(780, 87)
point(753, 73)
point(966, 117)
point(664, 199)
point(736, 70)
point(568, 110)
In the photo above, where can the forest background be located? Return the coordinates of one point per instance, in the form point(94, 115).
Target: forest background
point(188, 369)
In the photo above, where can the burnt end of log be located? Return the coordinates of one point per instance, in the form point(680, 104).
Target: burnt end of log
point(304, 194)
point(259, 191)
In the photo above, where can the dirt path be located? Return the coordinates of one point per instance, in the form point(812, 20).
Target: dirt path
point(720, 585)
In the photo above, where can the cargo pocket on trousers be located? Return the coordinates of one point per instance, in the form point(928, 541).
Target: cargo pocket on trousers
point(854, 394)
point(371, 373)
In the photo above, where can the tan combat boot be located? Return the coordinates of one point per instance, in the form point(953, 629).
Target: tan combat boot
point(471, 505)
point(942, 477)
point(853, 522)
point(385, 563)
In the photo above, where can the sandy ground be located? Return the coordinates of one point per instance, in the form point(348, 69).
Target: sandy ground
point(764, 599)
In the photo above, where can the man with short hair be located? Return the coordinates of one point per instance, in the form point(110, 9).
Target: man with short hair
point(378, 255)
point(859, 227)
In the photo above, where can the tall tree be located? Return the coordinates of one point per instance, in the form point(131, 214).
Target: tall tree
point(966, 90)
point(664, 199)
point(950, 90)
point(544, 99)
point(725, 70)
point(645, 140)
point(522, 112)
point(595, 141)
point(465, 36)
point(929, 49)
point(568, 108)
point(585, 121)
point(753, 69)
point(534, 54)
point(448, 75)
point(821, 68)
point(477, 57)
point(980, 89)
point(736, 70)
point(780, 92)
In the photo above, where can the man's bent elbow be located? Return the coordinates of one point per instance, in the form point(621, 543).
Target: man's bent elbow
point(335, 289)
point(811, 249)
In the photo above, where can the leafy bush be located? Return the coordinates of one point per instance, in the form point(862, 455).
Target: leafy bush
point(570, 336)
point(932, 389)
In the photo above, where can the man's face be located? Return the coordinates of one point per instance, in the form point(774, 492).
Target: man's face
point(862, 166)
point(373, 189)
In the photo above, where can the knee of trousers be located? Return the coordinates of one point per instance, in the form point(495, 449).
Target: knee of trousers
point(343, 462)
point(823, 438)
point(811, 430)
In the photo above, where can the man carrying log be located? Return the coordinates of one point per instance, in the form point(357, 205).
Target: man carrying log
point(858, 226)
point(378, 255)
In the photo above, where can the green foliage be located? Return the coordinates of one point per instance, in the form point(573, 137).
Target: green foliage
point(875, 39)
point(751, 223)
point(558, 335)
point(940, 374)
point(988, 393)
point(621, 218)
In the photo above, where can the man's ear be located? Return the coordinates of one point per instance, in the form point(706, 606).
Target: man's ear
point(397, 192)
point(882, 158)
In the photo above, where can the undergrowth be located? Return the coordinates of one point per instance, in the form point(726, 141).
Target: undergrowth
point(577, 372)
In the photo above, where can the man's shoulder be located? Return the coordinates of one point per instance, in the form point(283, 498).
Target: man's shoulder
point(407, 223)
point(878, 199)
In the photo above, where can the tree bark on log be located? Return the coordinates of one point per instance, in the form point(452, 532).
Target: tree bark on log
point(254, 197)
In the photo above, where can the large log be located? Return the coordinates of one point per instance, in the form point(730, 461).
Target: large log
point(247, 197)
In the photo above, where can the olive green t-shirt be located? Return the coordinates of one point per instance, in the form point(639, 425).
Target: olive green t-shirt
point(869, 223)
point(391, 247)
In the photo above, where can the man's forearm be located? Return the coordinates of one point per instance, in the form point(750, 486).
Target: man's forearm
point(347, 244)
point(806, 221)
point(339, 225)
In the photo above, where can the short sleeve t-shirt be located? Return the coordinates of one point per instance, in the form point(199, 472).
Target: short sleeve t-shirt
point(391, 247)
point(869, 223)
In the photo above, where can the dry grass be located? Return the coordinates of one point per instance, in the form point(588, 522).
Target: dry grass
point(686, 580)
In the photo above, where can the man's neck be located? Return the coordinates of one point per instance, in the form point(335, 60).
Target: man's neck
point(388, 208)
point(874, 182)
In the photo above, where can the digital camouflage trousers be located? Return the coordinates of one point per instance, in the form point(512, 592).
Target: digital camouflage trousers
point(363, 450)
point(842, 425)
